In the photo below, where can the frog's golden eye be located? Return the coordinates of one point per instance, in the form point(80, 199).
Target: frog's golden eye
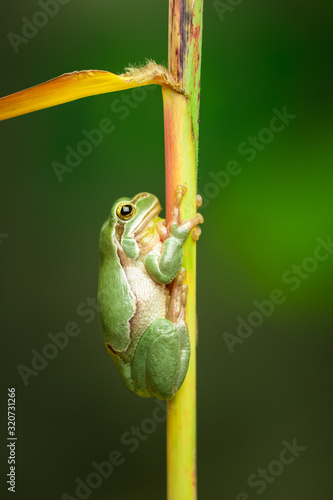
point(125, 211)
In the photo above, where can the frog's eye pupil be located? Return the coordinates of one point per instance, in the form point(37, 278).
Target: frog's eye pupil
point(126, 210)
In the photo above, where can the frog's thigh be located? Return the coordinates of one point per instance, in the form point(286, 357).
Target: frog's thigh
point(156, 364)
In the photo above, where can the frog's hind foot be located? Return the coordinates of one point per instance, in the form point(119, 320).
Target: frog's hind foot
point(183, 301)
point(178, 298)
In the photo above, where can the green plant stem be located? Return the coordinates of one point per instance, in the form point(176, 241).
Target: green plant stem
point(181, 122)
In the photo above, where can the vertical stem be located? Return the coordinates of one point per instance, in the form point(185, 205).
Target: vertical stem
point(185, 39)
point(181, 123)
point(181, 410)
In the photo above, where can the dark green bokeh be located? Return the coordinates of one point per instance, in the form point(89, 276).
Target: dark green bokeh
point(276, 385)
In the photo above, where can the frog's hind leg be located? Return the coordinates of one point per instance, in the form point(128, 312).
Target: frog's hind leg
point(162, 355)
point(155, 365)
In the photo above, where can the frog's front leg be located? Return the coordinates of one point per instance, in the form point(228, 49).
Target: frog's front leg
point(164, 268)
point(162, 356)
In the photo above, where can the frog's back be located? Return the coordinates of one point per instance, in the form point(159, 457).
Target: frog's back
point(115, 300)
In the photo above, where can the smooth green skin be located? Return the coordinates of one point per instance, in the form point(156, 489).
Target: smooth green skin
point(154, 363)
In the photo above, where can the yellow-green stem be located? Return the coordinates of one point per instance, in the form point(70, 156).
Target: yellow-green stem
point(181, 123)
point(181, 411)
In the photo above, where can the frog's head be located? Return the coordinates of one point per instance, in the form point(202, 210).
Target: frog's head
point(135, 221)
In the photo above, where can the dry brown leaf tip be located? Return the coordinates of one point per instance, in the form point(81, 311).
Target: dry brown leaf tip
point(151, 71)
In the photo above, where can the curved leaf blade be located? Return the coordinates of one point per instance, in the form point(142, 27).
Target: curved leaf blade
point(66, 88)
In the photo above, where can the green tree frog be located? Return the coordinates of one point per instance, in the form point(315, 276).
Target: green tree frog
point(141, 295)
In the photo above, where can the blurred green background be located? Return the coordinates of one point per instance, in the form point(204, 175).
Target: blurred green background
point(277, 384)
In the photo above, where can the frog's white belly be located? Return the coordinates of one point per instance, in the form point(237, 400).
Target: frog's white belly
point(150, 297)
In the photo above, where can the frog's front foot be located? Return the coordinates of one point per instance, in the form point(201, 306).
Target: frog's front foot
point(197, 230)
point(181, 227)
